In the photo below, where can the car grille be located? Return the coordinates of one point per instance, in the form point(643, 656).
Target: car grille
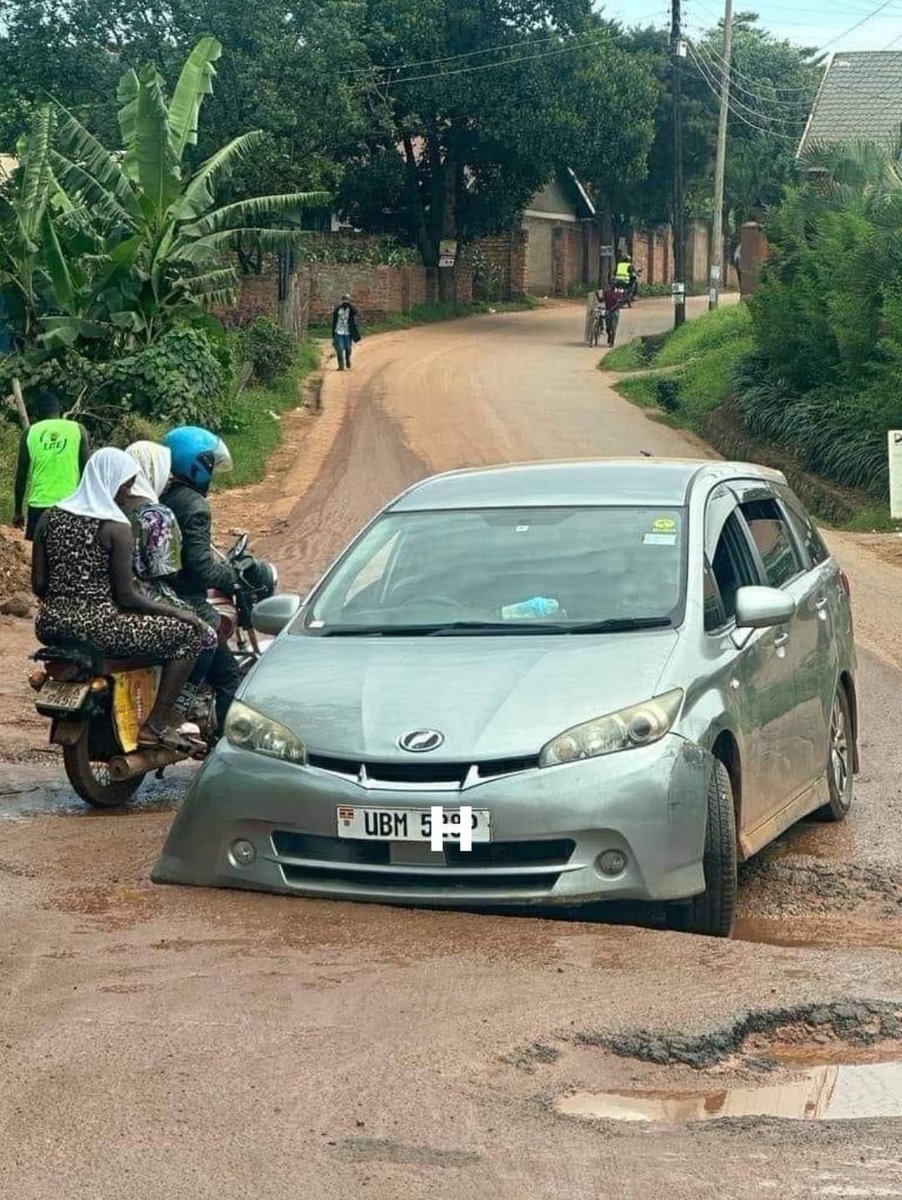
point(530, 868)
point(435, 776)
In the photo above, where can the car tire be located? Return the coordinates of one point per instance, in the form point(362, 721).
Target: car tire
point(840, 776)
point(712, 913)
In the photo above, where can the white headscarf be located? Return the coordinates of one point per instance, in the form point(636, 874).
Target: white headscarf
point(154, 468)
point(105, 473)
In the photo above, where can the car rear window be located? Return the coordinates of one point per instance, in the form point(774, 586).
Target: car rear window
point(805, 528)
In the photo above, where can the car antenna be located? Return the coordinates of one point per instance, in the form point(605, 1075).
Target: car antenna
point(646, 454)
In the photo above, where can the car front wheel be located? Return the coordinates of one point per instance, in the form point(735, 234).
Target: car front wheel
point(712, 912)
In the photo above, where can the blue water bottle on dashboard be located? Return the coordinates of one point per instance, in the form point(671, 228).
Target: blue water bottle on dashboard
point(538, 606)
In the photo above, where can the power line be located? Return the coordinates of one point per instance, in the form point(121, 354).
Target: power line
point(429, 62)
point(794, 109)
point(737, 113)
point(804, 94)
point(711, 74)
point(857, 25)
point(492, 66)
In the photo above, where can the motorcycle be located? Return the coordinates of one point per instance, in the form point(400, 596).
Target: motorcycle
point(97, 705)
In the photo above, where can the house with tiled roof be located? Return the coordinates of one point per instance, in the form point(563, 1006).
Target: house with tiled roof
point(860, 99)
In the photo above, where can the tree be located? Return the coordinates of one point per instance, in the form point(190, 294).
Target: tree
point(466, 134)
point(150, 238)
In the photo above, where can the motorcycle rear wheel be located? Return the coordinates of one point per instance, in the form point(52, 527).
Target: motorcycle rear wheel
point(91, 780)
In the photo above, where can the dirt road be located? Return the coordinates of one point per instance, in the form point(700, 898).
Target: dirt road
point(164, 1042)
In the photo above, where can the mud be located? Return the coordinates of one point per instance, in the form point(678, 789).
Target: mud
point(762, 1035)
point(827, 1093)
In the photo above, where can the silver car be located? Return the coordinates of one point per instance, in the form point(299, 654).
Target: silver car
point(628, 676)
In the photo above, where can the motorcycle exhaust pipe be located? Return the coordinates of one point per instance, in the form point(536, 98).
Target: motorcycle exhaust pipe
point(142, 762)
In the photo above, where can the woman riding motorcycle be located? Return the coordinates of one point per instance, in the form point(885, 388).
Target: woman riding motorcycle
point(82, 574)
point(196, 454)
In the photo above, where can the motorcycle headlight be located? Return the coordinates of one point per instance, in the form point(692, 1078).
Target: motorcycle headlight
point(624, 730)
point(249, 730)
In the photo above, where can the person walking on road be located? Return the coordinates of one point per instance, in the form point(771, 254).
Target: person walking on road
point(52, 456)
point(345, 331)
point(613, 302)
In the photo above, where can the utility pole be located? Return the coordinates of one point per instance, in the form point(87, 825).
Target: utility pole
point(679, 200)
point(717, 263)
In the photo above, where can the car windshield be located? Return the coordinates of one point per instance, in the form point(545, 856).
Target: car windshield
point(506, 571)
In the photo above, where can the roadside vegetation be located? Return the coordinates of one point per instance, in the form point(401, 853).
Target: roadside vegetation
point(809, 367)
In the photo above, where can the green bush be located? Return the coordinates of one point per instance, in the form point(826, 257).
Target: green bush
point(181, 379)
point(267, 348)
point(705, 333)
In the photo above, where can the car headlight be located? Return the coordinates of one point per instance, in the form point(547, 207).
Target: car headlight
point(625, 730)
point(249, 730)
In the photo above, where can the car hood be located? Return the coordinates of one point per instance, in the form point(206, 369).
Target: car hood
point(489, 697)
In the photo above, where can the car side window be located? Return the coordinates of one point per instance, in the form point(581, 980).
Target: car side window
point(773, 538)
point(805, 528)
point(732, 569)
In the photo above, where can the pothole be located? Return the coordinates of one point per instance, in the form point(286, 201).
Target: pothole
point(827, 1093)
point(837, 1061)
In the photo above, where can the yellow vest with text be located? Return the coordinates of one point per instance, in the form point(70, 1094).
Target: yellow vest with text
point(623, 272)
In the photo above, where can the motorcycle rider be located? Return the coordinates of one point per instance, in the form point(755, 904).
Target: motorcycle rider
point(626, 276)
point(196, 454)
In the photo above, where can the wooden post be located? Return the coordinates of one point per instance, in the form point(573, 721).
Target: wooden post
point(19, 400)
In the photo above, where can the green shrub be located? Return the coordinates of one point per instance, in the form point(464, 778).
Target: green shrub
point(705, 333)
point(268, 348)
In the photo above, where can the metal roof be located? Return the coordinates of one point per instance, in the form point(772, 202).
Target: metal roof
point(579, 481)
point(860, 99)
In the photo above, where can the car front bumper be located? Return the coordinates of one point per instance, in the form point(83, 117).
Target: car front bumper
point(548, 828)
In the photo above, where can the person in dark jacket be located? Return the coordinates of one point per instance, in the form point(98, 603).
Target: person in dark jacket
point(196, 453)
point(345, 331)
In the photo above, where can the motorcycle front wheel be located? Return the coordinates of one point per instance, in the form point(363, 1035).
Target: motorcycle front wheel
point(92, 780)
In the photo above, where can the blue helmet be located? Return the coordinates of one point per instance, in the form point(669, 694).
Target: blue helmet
point(196, 453)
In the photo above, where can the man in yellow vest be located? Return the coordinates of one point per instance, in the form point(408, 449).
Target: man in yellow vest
point(52, 456)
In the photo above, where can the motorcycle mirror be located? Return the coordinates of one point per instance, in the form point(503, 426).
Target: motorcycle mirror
point(240, 546)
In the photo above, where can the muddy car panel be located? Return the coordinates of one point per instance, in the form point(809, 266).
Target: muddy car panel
point(759, 697)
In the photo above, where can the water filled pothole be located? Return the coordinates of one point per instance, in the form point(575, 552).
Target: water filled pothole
point(825, 1093)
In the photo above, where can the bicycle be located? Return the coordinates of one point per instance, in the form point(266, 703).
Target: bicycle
point(598, 325)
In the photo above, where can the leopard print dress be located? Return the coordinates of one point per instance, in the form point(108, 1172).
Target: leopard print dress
point(79, 604)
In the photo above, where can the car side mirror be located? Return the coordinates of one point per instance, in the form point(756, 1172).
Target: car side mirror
point(272, 615)
point(763, 607)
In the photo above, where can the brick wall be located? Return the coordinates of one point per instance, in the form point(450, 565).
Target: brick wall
point(505, 257)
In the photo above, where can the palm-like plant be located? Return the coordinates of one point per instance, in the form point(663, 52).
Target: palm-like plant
point(159, 240)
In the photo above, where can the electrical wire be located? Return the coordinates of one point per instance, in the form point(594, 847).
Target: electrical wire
point(858, 24)
point(737, 113)
point(716, 63)
point(493, 66)
point(713, 74)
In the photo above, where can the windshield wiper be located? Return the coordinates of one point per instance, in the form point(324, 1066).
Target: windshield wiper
point(621, 625)
point(503, 628)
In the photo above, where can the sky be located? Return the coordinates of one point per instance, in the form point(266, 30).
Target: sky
point(805, 22)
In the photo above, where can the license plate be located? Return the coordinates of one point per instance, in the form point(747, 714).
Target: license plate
point(407, 824)
point(62, 697)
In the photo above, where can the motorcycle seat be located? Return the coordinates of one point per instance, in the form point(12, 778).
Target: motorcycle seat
point(87, 658)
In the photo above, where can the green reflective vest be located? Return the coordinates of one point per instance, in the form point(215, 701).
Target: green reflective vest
point(623, 272)
point(54, 449)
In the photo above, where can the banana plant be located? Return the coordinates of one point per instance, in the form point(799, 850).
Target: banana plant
point(165, 243)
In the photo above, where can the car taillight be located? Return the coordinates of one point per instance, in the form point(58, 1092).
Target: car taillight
point(844, 584)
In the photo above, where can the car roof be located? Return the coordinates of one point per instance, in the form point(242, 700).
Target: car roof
point(609, 481)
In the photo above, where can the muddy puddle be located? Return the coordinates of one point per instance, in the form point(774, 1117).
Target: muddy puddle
point(50, 795)
point(832, 1092)
point(840, 932)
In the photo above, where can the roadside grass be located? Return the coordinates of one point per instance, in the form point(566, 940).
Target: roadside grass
point(689, 372)
point(257, 411)
point(428, 314)
point(628, 357)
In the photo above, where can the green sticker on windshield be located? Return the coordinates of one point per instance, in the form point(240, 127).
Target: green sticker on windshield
point(664, 525)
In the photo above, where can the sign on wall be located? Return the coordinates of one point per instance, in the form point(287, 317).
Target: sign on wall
point(447, 254)
point(895, 473)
